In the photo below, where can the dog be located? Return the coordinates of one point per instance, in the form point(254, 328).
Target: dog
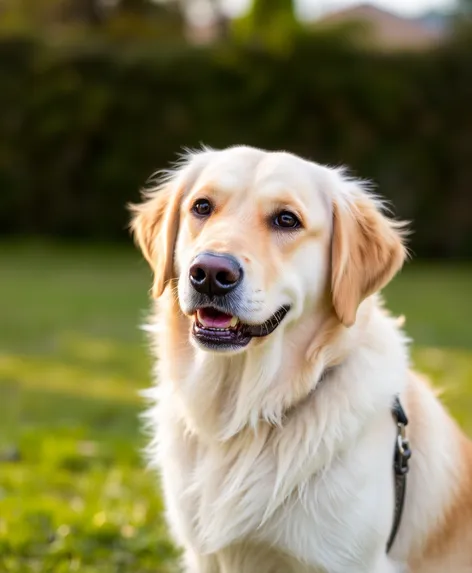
point(274, 425)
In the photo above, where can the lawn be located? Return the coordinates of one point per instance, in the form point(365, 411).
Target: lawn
point(74, 494)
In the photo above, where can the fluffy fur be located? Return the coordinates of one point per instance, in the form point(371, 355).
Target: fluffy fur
point(278, 459)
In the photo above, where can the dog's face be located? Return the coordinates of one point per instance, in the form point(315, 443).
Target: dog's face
point(257, 240)
point(248, 225)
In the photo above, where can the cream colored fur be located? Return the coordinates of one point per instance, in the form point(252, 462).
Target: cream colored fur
point(278, 459)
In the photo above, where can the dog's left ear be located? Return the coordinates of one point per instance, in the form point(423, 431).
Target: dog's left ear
point(155, 224)
point(367, 251)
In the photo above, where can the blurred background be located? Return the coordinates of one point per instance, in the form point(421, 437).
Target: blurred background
point(95, 95)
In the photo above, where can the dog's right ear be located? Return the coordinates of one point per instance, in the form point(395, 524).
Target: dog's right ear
point(154, 226)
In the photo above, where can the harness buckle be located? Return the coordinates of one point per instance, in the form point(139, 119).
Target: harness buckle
point(402, 455)
point(402, 452)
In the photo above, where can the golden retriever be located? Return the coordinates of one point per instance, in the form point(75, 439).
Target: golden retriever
point(278, 368)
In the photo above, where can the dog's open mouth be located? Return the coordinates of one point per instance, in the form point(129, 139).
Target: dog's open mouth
point(218, 330)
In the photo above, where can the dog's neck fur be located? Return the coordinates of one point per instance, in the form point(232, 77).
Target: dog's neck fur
point(239, 419)
point(221, 395)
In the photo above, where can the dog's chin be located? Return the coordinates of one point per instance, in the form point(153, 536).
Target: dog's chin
point(217, 331)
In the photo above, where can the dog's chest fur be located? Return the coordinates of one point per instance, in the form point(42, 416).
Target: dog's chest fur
point(317, 489)
point(221, 500)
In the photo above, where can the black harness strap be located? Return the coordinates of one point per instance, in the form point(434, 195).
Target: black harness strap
point(400, 466)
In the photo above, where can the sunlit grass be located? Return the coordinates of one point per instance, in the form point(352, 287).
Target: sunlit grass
point(74, 493)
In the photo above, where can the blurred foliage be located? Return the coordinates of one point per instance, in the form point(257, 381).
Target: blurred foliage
point(81, 128)
point(269, 23)
point(66, 21)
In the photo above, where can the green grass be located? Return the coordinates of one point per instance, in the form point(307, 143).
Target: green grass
point(74, 495)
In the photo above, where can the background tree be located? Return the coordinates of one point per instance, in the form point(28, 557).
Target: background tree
point(462, 22)
point(88, 12)
point(270, 23)
point(465, 7)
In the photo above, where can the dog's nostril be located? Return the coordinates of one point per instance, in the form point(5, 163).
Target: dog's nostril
point(226, 278)
point(198, 274)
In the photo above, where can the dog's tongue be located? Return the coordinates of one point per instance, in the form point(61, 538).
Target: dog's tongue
point(211, 318)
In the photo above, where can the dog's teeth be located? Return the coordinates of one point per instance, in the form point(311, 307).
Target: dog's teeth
point(200, 318)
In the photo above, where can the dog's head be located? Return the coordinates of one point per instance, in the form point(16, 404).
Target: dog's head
point(258, 239)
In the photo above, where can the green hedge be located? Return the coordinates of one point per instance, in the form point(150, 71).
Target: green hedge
point(81, 130)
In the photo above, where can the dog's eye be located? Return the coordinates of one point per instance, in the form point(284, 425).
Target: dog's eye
point(202, 207)
point(286, 220)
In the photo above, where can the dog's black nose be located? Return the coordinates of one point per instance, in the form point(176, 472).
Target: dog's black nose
point(213, 273)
